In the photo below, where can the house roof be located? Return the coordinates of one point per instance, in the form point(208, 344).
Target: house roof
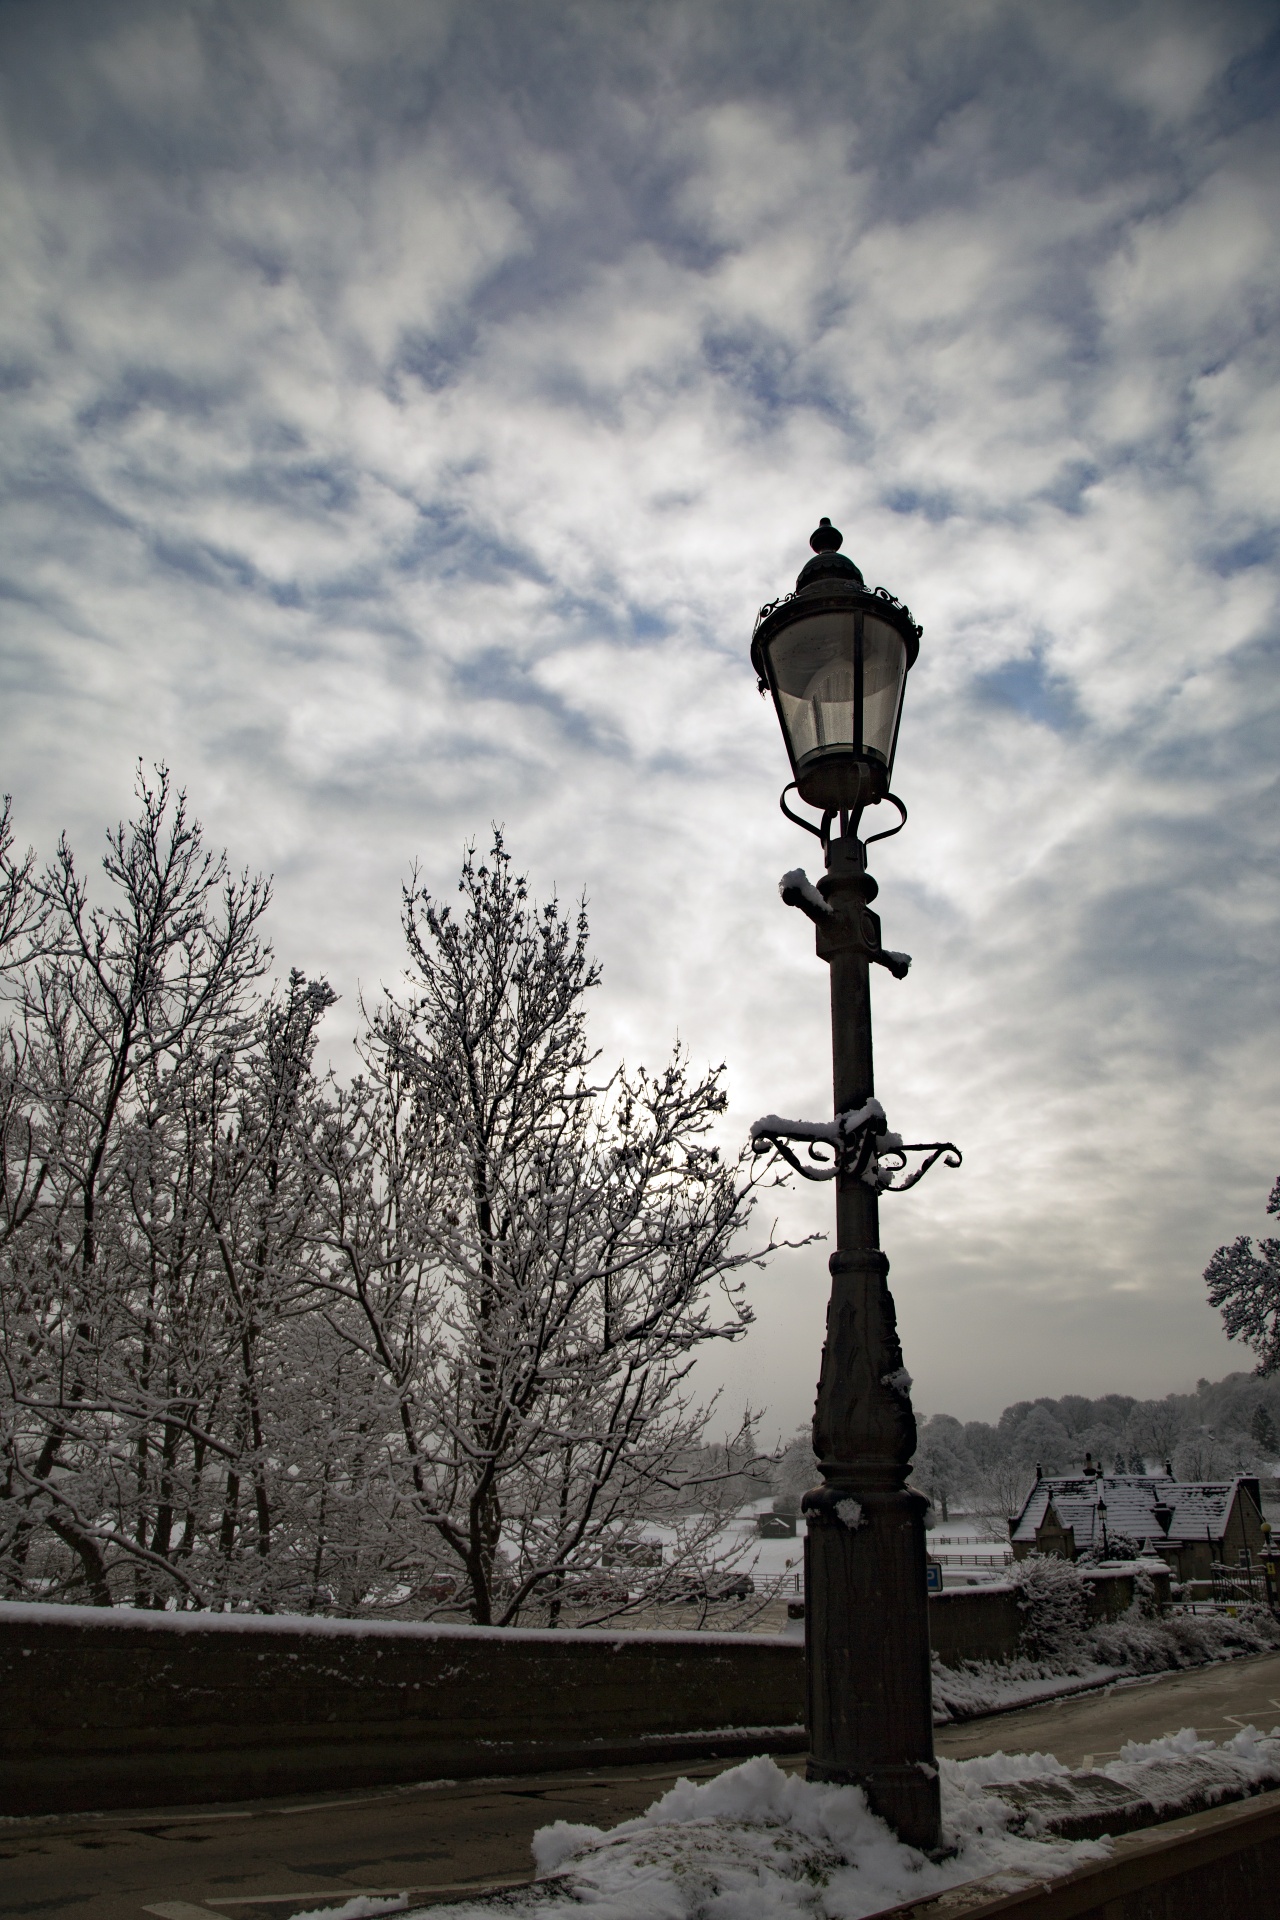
point(1200, 1508)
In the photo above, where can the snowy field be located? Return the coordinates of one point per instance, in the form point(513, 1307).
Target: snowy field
point(971, 1551)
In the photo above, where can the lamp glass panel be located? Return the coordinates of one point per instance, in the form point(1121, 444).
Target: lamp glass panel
point(884, 669)
point(812, 663)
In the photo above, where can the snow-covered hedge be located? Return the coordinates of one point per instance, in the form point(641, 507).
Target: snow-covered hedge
point(1059, 1646)
point(1183, 1639)
point(1053, 1601)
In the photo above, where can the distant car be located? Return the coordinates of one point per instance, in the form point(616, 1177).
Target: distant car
point(739, 1586)
point(692, 1591)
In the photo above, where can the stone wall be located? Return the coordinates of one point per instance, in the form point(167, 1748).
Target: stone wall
point(983, 1623)
point(108, 1707)
point(1224, 1863)
point(974, 1623)
point(1112, 1590)
point(111, 1707)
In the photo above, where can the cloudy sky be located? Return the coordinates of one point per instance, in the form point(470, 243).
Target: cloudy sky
point(408, 405)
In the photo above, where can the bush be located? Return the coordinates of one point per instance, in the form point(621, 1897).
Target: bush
point(1120, 1546)
point(1182, 1639)
point(1054, 1603)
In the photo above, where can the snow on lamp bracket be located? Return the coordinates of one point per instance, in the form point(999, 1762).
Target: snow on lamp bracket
point(857, 1145)
point(798, 890)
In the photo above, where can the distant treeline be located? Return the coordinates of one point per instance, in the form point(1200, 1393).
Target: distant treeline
point(1225, 1427)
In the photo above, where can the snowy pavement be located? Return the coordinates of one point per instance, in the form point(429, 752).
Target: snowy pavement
point(982, 1688)
point(757, 1843)
point(765, 1845)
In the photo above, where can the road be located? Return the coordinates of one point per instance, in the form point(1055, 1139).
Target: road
point(268, 1859)
point(1091, 1728)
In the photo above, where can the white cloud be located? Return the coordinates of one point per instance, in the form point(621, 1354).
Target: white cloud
point(409, 407)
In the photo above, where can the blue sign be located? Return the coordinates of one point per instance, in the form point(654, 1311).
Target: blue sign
point(934, 1572)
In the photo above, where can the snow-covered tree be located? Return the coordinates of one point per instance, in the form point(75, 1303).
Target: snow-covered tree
point(528, 1261)
point(127, 1019)
point(1039, 1440)
point(942, 1467)
point(1155, 1428)
point(795, 1471)
point(1003, 1487)
point(1201, 1455)
point(1000, 1479)
point(269, 1341)
point(1244, 1284)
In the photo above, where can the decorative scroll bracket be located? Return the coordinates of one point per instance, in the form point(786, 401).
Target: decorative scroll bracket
point(857, 1145)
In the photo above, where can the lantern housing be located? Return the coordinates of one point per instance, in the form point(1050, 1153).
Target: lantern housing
point(835, 655)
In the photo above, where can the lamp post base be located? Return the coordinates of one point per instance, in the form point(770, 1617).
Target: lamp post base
point(867, 1652)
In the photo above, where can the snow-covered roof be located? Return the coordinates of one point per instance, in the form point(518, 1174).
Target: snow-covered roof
point(1200, 1508)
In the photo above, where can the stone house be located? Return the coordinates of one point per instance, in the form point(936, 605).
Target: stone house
point(1191, 1525)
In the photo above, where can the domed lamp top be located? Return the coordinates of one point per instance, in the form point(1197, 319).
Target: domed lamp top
point(835, 656)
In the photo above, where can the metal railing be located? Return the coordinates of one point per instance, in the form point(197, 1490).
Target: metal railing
point(1242, 1585)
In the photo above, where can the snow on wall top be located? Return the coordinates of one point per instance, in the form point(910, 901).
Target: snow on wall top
point(23, 1613)
point(1200, 1508)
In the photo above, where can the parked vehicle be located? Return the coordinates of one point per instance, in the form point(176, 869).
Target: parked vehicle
point(691, 1590)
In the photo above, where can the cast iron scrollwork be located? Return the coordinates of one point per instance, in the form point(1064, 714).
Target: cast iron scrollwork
point(934, 1150)
point(771, 606)
point(857, 1145)
point(892, 600)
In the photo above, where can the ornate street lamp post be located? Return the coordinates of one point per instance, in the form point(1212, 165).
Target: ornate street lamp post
point(835, 656)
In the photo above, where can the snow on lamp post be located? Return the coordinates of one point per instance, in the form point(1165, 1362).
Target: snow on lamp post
point(835, 656)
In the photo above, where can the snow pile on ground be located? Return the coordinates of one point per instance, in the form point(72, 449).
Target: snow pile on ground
point(756, 1843)
point(759, 1844)
point(1162, 1771)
